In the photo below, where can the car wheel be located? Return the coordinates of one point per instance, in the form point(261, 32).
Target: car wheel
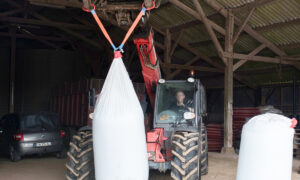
point(14, 155)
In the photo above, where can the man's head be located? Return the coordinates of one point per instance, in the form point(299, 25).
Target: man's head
point(180, 97)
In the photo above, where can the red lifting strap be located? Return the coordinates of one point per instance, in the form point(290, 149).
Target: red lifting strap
point(129, 32)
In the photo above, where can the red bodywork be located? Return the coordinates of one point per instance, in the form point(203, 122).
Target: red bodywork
point(155, 142)
point(151, 74)
point(149, 63)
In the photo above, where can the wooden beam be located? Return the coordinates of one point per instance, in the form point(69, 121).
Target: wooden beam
point(81, 19)
point(254, 4)
point(214, 4)
point(199, 56)
point(46, 20)
point(209, 29)
point(228, 86)
point(118, 6)
point(175, 44)
point(253, 53)
point(258, 58)
point(40, 39)
point(190, 49)
point(204, 42)
point(188, 67)
point(12, 71)
point(175, 73)
point(290, 58)
point(229, 34)
point(265, 70)
point(79, 36)
point(185, 25)
point(11, 12)
point(203, 57)
point(25, 36)
point(159, 45)
point(43, 23)
point(160, 62)
point(167, 57)
point(244, 80)
point(191, 23)
point(196, 15)
point(242, 26)
point(59, 3)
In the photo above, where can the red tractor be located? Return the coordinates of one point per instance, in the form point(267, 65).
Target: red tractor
point(176, 135)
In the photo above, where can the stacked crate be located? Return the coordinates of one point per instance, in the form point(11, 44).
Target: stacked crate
point(215, 132)
point(215, 137)
point(240, 117)
point(72, 101)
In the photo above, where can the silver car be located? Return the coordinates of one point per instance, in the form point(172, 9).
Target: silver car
point(31, 134)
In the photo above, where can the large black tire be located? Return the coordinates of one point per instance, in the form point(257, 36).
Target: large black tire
point(80, 157)
point(204, 152)
point(187, 160)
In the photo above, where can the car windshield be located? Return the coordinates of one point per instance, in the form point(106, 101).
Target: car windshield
point(39, 122)
point(174, 99)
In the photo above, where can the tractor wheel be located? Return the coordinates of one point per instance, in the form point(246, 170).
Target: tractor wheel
point(204, 152)
point(80, 157)
point(186, 160)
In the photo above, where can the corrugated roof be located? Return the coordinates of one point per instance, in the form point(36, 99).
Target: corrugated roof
point(279, 11)
point(234, 3)
point(270, 20)
point(276, 12)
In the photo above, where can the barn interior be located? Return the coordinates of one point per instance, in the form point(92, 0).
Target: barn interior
point(246, 53)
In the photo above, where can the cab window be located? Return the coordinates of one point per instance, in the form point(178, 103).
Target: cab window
point(174, 99)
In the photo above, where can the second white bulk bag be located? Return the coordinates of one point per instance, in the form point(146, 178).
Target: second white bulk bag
point(266, 149)
point(120, 151)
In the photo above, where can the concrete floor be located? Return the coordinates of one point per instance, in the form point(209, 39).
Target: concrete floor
point(221, 167)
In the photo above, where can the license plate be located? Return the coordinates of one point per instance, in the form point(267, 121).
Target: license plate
point(43, 144)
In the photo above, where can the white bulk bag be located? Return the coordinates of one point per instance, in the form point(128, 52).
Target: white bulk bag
point(120, 151)
point(266, 150)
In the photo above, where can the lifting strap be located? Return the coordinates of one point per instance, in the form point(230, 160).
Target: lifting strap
point(119, 49)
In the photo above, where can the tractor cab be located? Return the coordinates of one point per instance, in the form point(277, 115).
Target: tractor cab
point(179, 108)
point(179, 105)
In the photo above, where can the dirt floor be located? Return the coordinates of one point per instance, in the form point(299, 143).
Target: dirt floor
point(221, 167)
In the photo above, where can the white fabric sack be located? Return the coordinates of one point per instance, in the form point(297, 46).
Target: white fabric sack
point(266, 150)
point(120, 151)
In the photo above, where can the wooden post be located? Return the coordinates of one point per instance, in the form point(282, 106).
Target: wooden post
point(167, 58)
point(209, 30)
point(228, 86)
point(12, 71)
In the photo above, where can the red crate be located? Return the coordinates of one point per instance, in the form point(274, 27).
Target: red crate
point(215, 132)
point(71, 101)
